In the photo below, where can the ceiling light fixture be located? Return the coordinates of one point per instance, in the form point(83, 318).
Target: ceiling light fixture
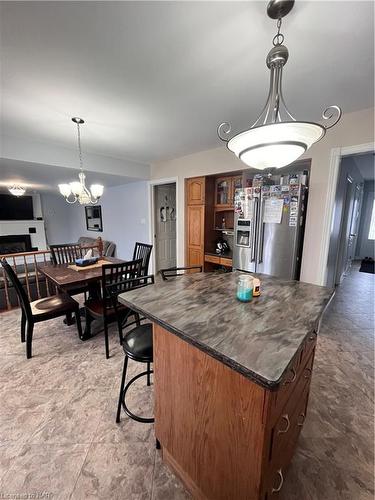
point(17, 190)
point(276, 139)
point(77, 190)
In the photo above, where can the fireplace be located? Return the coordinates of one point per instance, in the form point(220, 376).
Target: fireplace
point(15, 244)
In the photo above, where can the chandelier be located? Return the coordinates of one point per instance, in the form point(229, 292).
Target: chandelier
point(77, 190)
point(276, 138)
point(17, 190)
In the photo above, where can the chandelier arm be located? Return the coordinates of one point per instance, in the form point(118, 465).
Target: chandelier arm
point(329, 113)
point(75, 198)
point(265, 106)
point(223, 130)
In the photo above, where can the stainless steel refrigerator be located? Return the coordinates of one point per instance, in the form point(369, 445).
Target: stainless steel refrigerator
point(269, 226)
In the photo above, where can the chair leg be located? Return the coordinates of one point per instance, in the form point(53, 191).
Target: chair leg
point(23, 326)
point(148, 374)
point(106, 339)
point(29, 338)
point(77, 316)
point(121, 396)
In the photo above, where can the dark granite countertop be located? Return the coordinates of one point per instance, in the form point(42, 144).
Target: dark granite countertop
point(257, 339)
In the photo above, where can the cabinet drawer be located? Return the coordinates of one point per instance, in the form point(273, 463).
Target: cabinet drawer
point(212, 258)
point(225, 262)
point(300, 370)
point(308, 348)
point(286, 433)
point(290, 422)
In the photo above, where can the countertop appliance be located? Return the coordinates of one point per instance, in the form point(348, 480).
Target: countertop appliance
point(269, 226)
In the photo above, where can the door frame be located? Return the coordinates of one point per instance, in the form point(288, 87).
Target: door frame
point(151, 211)
point(334, 169)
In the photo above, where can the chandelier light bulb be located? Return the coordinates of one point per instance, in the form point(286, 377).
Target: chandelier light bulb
point(277, 139)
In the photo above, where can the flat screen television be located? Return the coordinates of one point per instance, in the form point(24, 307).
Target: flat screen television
point(16, 208)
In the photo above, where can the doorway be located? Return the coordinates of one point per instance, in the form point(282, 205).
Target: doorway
point(164, 222)
point(356, 172)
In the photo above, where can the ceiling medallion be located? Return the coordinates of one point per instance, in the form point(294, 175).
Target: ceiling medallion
point(77, 190)
point(276, 139)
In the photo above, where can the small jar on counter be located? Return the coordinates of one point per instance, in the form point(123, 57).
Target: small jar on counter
point(245, 288)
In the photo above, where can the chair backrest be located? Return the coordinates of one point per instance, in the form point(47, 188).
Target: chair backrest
point(143, 251)
point(118, 276)
point(172, 272)
point(21, 294)
point(66, 253)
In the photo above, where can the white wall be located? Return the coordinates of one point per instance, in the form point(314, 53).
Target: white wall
point(125, 215)
point(354, 128)
point(57, 218)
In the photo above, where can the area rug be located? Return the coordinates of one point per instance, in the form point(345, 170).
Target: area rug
point(367, 266)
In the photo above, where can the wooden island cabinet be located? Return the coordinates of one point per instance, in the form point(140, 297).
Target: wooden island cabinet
point(231, 380)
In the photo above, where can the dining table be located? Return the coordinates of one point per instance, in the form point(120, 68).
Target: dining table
point(67, 276)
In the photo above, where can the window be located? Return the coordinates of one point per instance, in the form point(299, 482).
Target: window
point(371, 233)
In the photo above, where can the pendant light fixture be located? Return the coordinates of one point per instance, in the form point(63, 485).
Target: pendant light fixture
point(17, 190)
point(77, 190)
point(276, 139)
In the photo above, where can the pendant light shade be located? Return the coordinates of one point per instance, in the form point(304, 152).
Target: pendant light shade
point(277, 139)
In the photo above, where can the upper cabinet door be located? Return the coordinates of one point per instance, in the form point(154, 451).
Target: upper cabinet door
point(195, 191)
point(223, 189)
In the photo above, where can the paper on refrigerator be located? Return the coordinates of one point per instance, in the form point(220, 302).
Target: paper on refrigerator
point(273, 210)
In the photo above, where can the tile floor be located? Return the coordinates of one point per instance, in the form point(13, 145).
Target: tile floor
point(57, 414)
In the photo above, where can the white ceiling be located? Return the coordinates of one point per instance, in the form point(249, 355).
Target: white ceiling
point(39, 177)
point(154, 79)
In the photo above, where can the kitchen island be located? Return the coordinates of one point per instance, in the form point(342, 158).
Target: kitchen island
point(231, 379)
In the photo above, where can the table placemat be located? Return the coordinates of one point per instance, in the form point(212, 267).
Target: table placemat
point(91, 266)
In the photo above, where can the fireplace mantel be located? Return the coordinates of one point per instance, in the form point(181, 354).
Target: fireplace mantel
point(34, 228)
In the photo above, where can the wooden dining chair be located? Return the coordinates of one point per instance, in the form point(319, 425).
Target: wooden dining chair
point(41, 309)
point(66, 253)
point(143, 251)
point(172, 272)
point(103, 308)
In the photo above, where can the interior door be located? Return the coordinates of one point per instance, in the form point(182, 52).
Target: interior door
point(165, 225)
point(354, 218)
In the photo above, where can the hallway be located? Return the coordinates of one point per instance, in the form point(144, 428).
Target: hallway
point(335, 456)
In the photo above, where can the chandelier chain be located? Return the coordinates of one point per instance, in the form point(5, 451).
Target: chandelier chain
point(79, 147)
point(278, 39)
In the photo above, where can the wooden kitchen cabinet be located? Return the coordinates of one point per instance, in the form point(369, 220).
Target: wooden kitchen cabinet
point(198, 424)
point(195, 188)
point(195, 216)
point(224, 190)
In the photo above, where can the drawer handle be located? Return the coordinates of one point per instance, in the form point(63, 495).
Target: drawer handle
point(294, 376)
point(286, 418)
point(303, 416)
point(280, 474)
point(308, 372)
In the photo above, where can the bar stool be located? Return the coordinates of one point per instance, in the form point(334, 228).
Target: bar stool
point(137, 344)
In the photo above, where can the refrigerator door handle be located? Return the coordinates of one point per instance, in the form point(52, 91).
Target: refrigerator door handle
point(261, 234)
point(253, 230)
